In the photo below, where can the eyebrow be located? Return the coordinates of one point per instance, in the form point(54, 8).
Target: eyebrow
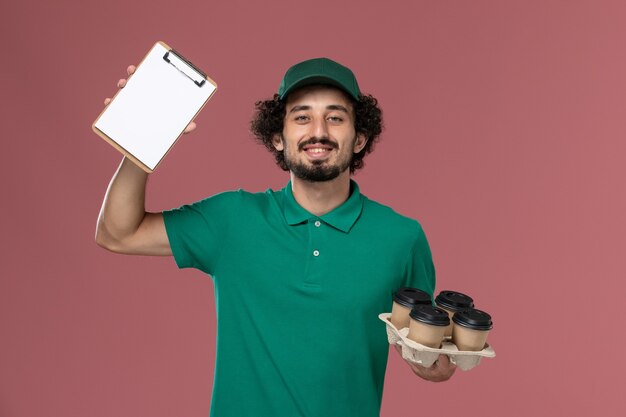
point(330, 107)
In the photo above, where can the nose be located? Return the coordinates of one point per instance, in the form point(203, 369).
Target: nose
point(319, 128)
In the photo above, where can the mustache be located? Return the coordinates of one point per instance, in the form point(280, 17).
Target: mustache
point(314, 141)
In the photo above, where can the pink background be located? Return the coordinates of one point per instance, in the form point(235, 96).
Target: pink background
point(505, 138)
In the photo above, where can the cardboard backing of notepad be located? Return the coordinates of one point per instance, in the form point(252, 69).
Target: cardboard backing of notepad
point(426, 356)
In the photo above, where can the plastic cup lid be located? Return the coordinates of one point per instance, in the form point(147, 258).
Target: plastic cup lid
point(410, 297)
point(473, 319)
point(454, 301)
point(428, 314)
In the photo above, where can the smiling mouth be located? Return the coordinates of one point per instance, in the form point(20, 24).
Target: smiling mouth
point(317, 150)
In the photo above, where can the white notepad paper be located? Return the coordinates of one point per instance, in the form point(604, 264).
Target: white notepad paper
point(148, 115)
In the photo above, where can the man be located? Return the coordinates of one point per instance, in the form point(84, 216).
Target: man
point(300, 273)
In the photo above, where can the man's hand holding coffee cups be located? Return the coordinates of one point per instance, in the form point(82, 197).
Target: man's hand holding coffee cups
point(440, 371)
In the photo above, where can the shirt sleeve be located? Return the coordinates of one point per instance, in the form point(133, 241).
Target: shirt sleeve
point(420, 270)
point(198, 231)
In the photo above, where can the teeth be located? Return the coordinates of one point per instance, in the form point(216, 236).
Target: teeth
point(317, 150)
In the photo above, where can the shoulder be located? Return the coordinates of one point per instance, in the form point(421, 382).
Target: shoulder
point(397, 227)
point(232, 200)
point(391, 218)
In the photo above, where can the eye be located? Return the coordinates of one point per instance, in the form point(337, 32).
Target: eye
point(301, 118)
point(335, 119)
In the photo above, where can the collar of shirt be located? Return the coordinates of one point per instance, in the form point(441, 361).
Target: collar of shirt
point(342, 217)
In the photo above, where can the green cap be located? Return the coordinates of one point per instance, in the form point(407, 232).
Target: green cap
point(319, 71)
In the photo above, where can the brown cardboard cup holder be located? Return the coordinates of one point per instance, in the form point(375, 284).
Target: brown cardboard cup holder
point(426, 356)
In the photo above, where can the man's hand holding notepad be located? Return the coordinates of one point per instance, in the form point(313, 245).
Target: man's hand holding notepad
point(154, 106)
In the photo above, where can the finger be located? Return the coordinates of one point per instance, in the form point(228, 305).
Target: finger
point(131, 69)
point(121, 83)
point(443, 361)
point(443, 367)
point(190, 127)
point(418, 370)
point(107, 101)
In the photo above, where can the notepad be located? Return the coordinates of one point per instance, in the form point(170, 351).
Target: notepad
point(146, 117)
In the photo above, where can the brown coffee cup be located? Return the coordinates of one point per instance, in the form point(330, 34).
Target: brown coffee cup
point(403, 301)
point(470, 329)
point(453, 301)
point(427, 325)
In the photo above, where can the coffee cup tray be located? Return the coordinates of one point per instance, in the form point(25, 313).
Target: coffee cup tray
point(426, 356)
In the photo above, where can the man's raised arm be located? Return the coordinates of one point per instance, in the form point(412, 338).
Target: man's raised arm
point(124, 226)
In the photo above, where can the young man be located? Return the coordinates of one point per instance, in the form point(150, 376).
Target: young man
point(301, 273)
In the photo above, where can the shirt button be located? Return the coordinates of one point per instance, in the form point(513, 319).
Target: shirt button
point(318, 223)
point(316, 253)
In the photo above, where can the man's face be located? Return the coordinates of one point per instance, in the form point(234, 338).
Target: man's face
point(318, 137)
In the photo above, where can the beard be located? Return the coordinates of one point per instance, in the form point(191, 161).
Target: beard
point(316, 171)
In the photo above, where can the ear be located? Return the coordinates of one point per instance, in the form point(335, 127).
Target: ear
point(277, 141)
point(359, 143)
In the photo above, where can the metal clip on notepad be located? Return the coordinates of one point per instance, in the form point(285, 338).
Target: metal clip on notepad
point(184, 66)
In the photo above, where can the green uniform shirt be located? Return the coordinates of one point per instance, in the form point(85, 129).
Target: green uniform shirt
point(298, 298)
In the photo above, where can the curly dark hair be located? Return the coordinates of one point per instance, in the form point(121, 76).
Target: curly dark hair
point(270, 114)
